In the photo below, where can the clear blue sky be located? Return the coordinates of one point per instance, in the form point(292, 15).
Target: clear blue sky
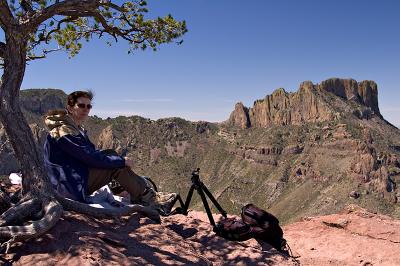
point(236, 51)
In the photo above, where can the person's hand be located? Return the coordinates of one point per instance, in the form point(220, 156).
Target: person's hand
point(128, 162)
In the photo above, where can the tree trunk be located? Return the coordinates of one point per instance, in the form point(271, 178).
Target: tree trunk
point(38, 197)
point(35, 180)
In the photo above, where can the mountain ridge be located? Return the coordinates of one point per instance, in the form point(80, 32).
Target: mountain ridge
point(292, 169)
point(308, 104)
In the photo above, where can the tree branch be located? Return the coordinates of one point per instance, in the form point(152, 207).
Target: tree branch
point(6, 17)
point(27, 6)
point(52, 213)
point(64, 20)
point(113, 31)
point(2, 49)
point(18, 213)
point(72, 205)
point(76, 7)
point(88, 8)
point(42, 56)
point(114, 6)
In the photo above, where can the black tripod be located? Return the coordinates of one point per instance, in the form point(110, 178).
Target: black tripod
point(203, 191)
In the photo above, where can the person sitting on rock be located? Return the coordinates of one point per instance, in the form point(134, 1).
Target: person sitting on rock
point(76, 168)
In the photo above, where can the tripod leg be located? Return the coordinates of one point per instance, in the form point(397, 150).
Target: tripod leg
point(178, 210)
point(180, 201)
point(205, 203)
point(208, 193)
point(188, 199)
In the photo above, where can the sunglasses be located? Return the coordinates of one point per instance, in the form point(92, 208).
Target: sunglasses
point(82, 105)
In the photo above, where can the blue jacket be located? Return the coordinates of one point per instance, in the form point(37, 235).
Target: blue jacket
point(68, 155)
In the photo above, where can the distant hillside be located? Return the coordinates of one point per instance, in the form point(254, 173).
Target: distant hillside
point(297, 154)
point(36, 102)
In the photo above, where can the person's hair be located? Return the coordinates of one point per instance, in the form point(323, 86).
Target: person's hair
point(73, 97)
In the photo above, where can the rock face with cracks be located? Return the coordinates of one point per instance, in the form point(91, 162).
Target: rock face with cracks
point(305, 105)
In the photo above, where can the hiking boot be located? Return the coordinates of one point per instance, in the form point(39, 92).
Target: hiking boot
point(162, 201)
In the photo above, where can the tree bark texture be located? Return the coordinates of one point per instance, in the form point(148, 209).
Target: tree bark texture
point(35, 180)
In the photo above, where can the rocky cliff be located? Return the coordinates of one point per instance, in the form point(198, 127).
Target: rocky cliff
point(296, 154)
point(311, 103)
point(39, 101)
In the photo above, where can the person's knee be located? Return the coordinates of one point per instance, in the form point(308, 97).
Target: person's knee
point(127, 174)
point(127, 170)
point(124, 172)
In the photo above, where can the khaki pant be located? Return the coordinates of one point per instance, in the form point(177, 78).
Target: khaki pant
point(134, 184)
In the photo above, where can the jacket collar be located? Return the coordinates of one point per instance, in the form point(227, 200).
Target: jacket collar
point(60, 123)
